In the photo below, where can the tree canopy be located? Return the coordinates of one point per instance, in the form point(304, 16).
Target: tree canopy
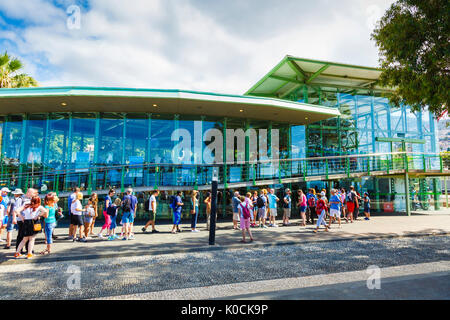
point(414, 47)
point(10, 76)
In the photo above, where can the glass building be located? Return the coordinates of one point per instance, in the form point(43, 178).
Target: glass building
point(333, 124)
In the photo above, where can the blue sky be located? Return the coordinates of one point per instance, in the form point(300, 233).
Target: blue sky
point(209, 45)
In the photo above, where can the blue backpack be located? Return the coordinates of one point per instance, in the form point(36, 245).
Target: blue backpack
point(173, 202)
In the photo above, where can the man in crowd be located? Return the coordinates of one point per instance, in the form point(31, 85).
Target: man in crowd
point(273, 199)
point(129, 206)
point(152, 212)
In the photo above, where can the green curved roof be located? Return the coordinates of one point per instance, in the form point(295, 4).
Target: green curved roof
point(107, 99)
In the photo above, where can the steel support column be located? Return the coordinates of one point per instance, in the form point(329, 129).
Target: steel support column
point(22, 156)
point(408, 200)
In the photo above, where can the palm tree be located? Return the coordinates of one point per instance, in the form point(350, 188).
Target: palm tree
point(9, 76)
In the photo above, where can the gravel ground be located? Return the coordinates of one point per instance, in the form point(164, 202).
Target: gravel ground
point(129, 275)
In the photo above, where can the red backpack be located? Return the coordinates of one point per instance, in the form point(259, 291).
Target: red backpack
point(320, 206)
point(245, 211)
point(311, 201)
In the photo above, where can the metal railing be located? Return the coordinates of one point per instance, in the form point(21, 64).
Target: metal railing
point(154, 175)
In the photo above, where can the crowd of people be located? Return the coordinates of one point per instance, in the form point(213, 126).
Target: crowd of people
point(29, 216)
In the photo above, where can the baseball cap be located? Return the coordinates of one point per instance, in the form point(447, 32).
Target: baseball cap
point(322, 193)
point(5, 189)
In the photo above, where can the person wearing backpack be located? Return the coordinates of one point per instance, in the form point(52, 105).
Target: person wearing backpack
point(245, 209)
point(321, 210)
point(262, 212)
point(129, 203)
point(111, 211)
point(176, 204)
point(350, 199)
point(312, 201)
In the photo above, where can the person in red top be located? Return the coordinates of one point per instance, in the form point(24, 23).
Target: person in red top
point(321, 210)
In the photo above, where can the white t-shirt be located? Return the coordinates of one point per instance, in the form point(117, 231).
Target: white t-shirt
point(152, 199)
point(29, 214)
point(76, 205)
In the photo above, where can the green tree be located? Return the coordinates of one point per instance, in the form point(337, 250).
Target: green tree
point(9, 76)
point(414, 47)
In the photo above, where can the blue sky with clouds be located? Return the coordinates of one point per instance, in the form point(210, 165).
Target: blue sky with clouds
point(209, 45)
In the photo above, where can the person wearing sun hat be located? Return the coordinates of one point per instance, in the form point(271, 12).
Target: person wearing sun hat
point(14, 203)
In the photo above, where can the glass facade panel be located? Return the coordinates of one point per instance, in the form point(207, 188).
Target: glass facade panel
point(12, 138)
point(58, 140)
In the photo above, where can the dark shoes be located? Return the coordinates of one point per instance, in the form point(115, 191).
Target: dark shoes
point(155, 231)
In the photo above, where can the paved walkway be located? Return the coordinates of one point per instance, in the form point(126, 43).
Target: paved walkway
point(186, 241)
point(415, 281)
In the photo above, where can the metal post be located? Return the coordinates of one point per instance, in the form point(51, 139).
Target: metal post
point(225, 174)
point(408, 200)
point(212, 216)
point(149, 146)
point(69, 150)
point(436, 194)
point(96, 148)
point(22, 156)
point(124, 136)
point(446, 192)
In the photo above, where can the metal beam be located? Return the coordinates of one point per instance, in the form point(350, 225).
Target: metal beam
point(317, 73)
point(299, 71)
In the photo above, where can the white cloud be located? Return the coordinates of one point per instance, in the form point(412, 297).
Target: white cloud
point(177, 44)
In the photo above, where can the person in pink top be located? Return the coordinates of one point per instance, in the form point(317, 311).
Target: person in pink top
point(301, 204)
point(245, 212)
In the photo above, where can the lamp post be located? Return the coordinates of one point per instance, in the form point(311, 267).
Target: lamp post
point(212, 216)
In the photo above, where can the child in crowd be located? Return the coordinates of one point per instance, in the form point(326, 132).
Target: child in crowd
point(366, 206)
point(89, 214)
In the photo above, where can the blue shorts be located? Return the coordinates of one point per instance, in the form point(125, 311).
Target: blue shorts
point(127, 217)
point(302, 208)
point(176, 217)
point(49, 231)
point(113, 223)
point(5, 220)
point(10, 226)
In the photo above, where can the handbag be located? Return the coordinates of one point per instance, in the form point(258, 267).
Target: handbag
point(37, 227)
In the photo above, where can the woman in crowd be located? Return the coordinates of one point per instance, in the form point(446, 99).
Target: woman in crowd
point(50, 204)
point(108, 203)
point(321, 210)
point(245, 212)
point(94, 203)
point(207, 202)
point(255, 208)
point(194, 211)
point(31, 213)
point(76, 209)
point(301, 204)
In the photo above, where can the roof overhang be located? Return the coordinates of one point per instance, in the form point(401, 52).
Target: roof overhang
point(89, 99)
point(292, 73)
